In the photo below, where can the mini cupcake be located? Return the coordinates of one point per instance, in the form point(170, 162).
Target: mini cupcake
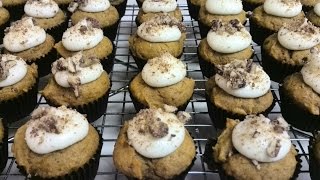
point(47, 15)
point(18, 87)
point(90, 40)
point(238, 89)
point(120, 5)
point(224, 10)
point(308, 4)
point(314, 156)
point(155, 145)
point(250, 5)
point(226, 41)
point(300, 96)
point(31, 43)
point(4, 20)
point(194, 7)
point(162, 81)
point(100, 10)
point(151, 8)
point(3, 144)
point(256, 148)
point(57, 143)
point(15, 8)
point(81, 83)
point(270, 17)
point(287, 51)
point(314, 15)
point(155, 37)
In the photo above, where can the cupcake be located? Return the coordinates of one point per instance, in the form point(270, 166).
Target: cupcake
point(288, 50)
point(30, 42)
point(151, 8)
point(300, 96)
point(57, 143)
point(238, 89)
point(308, 4)
point(47, 15)
point(162, 81)
point(90, 40)
point(18, 87)
point(155, 145)
point(194, 7)
point(314, 15)
point(314, 156)
point(15, 8)
point(225, 42)
point(120, 5)
point(81, 83)
point(3, 145)
point(224, 10)
point(270, 17)
point(155, 37)
point(100, 10)
point(250, 5)
point(256, 148)
point(4, 21)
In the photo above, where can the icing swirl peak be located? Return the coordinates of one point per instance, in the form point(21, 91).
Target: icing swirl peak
point(311, 71)
point(224, 7)
point(89, 5)
point(282, 8)
point(159, 5)
point(41, 8)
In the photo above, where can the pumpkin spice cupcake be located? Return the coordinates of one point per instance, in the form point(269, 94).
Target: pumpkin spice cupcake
point(3, 144)
point(194, 7)
point(224, 10)
point(162, 81)
point(226, 41)
point(155, 145)
point(57, 143)
point(18, 87)
point(100, 10)
point(4, 20)
point(153, 38)
point(90, 40)
point(83, 86)
point(151, 8)
point(314, 15)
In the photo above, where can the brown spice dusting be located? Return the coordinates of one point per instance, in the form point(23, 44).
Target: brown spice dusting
point(255, 134)
point(306, 28)
point(158, 129)
point(230, 27)
point(164, 19)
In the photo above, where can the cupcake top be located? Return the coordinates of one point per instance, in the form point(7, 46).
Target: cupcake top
point(89, 5)
point(23, 35)
point(159, 5)
point(86, 34)
point(41, 8)
point(156, 133)
point(311, 71)
point(12, 70)
point(161, 28)
point(75, 71)
point(298, 36)
point(163, 71)
point(51, 129)
point(282, 8)
point(316, 9)
point(243, 79)
point(224, 7)
point(261, 139)
point(228, 37)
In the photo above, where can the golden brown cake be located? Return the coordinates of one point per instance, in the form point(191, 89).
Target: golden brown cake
point(314, 15)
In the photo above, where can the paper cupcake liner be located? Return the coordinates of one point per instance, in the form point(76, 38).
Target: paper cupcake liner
point(249, 6)
point(2, 28)
point(87, 172)
point(111, 31)
point(275, 69)
point(139, 3)
point(258, 33)
point(314, 164)
point(108, 62)
point(57, 31)
point(193, 10)
point(209, 160)
point(4, 147)
point(21, 106)
point(44, 62)
point(16, 11)
point(121, 8)
point(295, 115)
point(306, 9)
point(219, 116)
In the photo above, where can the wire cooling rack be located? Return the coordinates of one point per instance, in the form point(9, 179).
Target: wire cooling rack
point(120, 107)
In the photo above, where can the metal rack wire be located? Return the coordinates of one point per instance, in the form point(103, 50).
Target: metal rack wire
point(120, 107)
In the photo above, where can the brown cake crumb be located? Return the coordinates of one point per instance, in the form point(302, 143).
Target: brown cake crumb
point(306, 29)
point(230, 27)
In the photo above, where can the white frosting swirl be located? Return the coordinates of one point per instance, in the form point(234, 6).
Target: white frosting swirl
point(249, 83)
point(282, 8)
point(299, 37)
point(23, 35)
point(94, 5)
point(159, 6)
point(41, 8)
point(145, 143)
point(229, 37)
point(224, 7)
point(316, 9)
point(163, 71)
point(84, 35)
point(311, 71)
point(12, 70)
point(52, 129)
point(258, 138)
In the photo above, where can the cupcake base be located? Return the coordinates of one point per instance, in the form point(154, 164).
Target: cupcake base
point(108, 62)
point(44, 63)
point(111, 31)
point(193, 10)
point(258, 33)
point(4, 147)
point(121, 8)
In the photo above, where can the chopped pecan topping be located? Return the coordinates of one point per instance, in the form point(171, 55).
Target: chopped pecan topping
point(274, 148)
point(165, 19)
point(230, 27)
point(4, 68)
point(158, 129)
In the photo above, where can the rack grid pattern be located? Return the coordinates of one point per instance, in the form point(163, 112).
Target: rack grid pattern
point(120, 107)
